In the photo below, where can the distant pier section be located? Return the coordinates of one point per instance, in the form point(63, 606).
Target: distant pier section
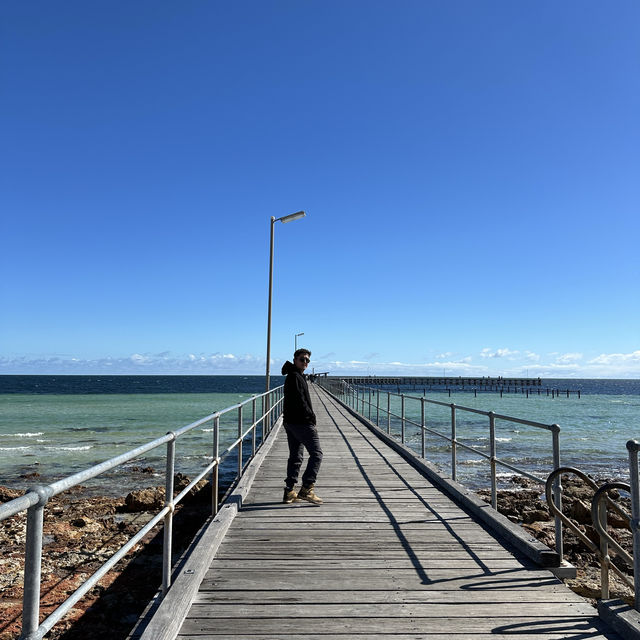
point(498, 384)
point(445, 381)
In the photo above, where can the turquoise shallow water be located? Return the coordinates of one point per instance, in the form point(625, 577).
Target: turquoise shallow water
point(57, 426)
point(593, 431)
point(59, 435)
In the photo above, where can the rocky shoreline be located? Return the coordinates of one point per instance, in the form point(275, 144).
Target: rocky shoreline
point(525, 505)
point(81, 533)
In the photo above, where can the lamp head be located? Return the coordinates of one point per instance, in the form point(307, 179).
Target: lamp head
point(292, 217)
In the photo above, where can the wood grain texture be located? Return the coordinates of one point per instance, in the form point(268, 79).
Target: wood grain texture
point(387, 555)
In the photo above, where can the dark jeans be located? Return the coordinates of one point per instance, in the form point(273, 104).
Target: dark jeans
point(300, 437)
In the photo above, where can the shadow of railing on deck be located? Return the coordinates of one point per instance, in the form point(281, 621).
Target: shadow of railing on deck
point(422, 573)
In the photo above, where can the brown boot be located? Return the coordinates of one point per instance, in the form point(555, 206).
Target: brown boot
point(308, 494)
point(289, 496)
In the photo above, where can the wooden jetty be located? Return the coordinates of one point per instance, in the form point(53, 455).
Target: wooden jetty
point(388, 556)
point(443, 381)
point(499, 384)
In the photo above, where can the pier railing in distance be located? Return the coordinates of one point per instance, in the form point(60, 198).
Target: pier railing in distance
point(35, 499)
point(375, 405)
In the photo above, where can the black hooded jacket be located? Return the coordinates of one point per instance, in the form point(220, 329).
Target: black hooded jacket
point(297, 402)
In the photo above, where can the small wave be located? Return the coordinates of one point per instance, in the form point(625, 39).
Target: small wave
point(15, 448)
point(71, 448)
point(472, 461)
point(22, 435)
point(206, 430)
point(504, 439)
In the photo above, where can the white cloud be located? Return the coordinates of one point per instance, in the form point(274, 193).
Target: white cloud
point(498, 353)
point(504, 362)
point(160, 363)
point(568, 358)
point(617, 358)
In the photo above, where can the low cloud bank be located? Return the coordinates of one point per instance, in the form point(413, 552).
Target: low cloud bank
point(488, 362)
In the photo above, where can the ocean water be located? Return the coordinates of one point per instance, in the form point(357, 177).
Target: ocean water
point(594, 427)
point(58, 425)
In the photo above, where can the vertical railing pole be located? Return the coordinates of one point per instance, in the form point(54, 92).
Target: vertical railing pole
point(389, 412)
point(167, 548)
point(605, 559)
point(33, 565)
point(422, 422)
point(216, 469)
point(402, 418)
point(634, 481)
point(377, 407)
point(240, 441)
point(454, 458)
point(369, 403)
point(492, 451)
point(557, 489)
point(254, 428)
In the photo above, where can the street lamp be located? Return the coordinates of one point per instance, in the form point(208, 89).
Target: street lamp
point(296, 340)
point(284, 220)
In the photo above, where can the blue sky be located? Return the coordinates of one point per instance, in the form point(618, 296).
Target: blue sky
point(469, 171)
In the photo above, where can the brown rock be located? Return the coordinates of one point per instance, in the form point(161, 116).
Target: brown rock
point(535, 515)
point(7, 494)
point(151, 499)
point(617, 521)
point(580, 511)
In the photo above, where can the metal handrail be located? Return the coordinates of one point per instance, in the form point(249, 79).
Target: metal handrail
point(355, 397)
point(35, 499)
point(599, 500)
point(599, 518)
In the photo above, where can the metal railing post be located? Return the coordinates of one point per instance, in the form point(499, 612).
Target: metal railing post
point(388, 413)
point(240, 441)
point(377, 407)
point(254, 428)
point(216, 469)
point(167, 547)
point(492, 452)
point(402, 418)
point(454, 456)
point(424, 452)
point(33, 564)
point(557, 489)
point(369, 403)
point(634, 482)
point(605, 559)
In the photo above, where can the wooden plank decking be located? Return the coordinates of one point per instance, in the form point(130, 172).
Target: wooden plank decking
point(386, 556)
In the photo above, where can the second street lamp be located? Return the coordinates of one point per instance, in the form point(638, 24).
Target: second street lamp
point(296, 340)
point(290, 218)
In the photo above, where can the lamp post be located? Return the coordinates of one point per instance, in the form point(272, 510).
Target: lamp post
point(296, 340)
point(284, 220)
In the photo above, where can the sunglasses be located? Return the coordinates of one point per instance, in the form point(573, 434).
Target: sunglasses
point(304, 359)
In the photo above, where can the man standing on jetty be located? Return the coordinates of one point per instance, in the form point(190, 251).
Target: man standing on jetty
point(300, 425)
